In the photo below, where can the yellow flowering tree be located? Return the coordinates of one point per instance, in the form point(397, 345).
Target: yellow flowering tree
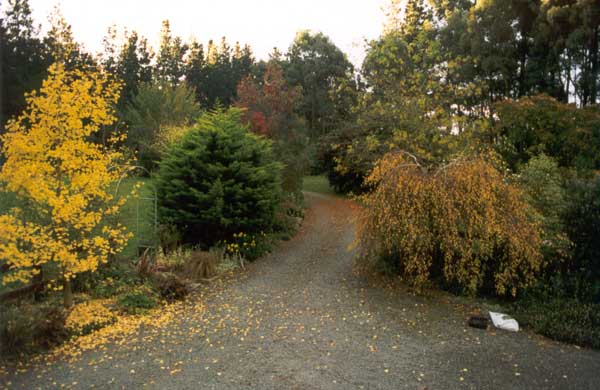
point(64, 177)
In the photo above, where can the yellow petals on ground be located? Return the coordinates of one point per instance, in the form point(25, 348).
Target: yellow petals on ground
point(87, 316)
point(123, 330)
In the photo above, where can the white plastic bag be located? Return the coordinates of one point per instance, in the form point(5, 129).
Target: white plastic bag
point(504, 321)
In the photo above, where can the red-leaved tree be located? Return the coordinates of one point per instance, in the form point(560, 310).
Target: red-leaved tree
point(269, 105)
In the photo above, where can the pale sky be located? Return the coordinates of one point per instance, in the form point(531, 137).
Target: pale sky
point(261, 23)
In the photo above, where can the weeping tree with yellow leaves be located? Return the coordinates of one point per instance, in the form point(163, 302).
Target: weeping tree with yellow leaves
point(462, 224)
point(64, 178)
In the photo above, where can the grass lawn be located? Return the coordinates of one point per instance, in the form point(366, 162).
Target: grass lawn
point(318, 184)
point(142, 227)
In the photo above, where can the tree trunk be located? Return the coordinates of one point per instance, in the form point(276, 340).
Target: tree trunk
point(67, 294)
point(39, 279)
point(524, 55)
point(595, 65)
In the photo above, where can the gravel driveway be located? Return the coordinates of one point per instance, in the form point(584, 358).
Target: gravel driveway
point(302, 319)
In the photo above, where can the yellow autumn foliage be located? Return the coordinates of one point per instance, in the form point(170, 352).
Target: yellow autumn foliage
point(461, 223)
point(88, 316)
point(64, 178)
point(167, 136)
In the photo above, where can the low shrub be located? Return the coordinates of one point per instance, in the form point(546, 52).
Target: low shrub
point(173, 260)
point(51, 329)
point(293, 205)
point(565, 302)
point(288, 217)
point(110, 280)
point(582, 225)
point(27, 327)
point(247, 246)
point(345, 159)
point(107, 287)
point(144, 264)
point(137, 301)
point(170, 286)
point(562, 319)
point(169, 237)
point(229, 263)
point(461, 224)
point(17, 330)
point(285, 225)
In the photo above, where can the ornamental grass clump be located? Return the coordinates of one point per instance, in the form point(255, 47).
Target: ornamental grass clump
point(461, 224)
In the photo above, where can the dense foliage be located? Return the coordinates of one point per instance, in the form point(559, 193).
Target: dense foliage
point(26, 56)
point(23, 60)
point(541, 124)
point(26, 327)
point(269, 106)
point(460, 223)
point(347, 156)
point(447, 74)
point(325, 75)
point(581, 221)
point(561, 318)
point(544, 189)
point(218, 181)
point(210, 72)
point(64, 179)
point(153, 112)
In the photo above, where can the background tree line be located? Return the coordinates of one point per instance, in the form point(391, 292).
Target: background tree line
point(521, 75)
point(180, 76)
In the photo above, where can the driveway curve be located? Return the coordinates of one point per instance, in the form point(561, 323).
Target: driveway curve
point(302, 319)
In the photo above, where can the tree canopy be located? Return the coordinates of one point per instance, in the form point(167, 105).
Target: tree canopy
point(64, 179)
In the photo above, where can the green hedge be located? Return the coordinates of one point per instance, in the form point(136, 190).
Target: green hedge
point(561, 319)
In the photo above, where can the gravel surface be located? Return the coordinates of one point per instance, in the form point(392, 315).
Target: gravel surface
point(302, 319)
